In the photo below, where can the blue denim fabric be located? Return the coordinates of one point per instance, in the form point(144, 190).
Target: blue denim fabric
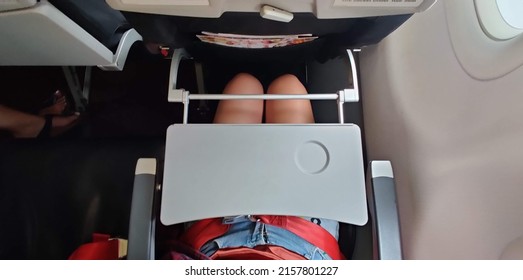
point(252, 233)
point(332, 226)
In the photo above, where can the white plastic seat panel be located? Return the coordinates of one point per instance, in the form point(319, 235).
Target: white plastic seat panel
point(42, 35)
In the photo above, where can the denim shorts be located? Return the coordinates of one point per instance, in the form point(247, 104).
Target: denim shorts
point(250, 234)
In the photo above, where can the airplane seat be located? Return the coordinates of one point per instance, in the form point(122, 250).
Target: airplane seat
point(55, 194)
point(176, 26)
point(97, 18)
point(150, 237)
point(333, 34)
point(64, 33)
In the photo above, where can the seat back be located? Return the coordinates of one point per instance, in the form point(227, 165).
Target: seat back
point(72, 33)
point(339, 25)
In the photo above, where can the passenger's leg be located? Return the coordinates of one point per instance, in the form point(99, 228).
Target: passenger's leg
point(241, 111)
point(25, 125)
point(288, 111)
point(57, 107)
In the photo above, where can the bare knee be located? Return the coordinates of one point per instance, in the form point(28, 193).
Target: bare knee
point(245, 78)
point(286, 84)
point(243, 83)
point(241, 111)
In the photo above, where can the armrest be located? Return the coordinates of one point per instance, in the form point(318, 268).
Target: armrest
point(142, 221)
point(384, 211)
